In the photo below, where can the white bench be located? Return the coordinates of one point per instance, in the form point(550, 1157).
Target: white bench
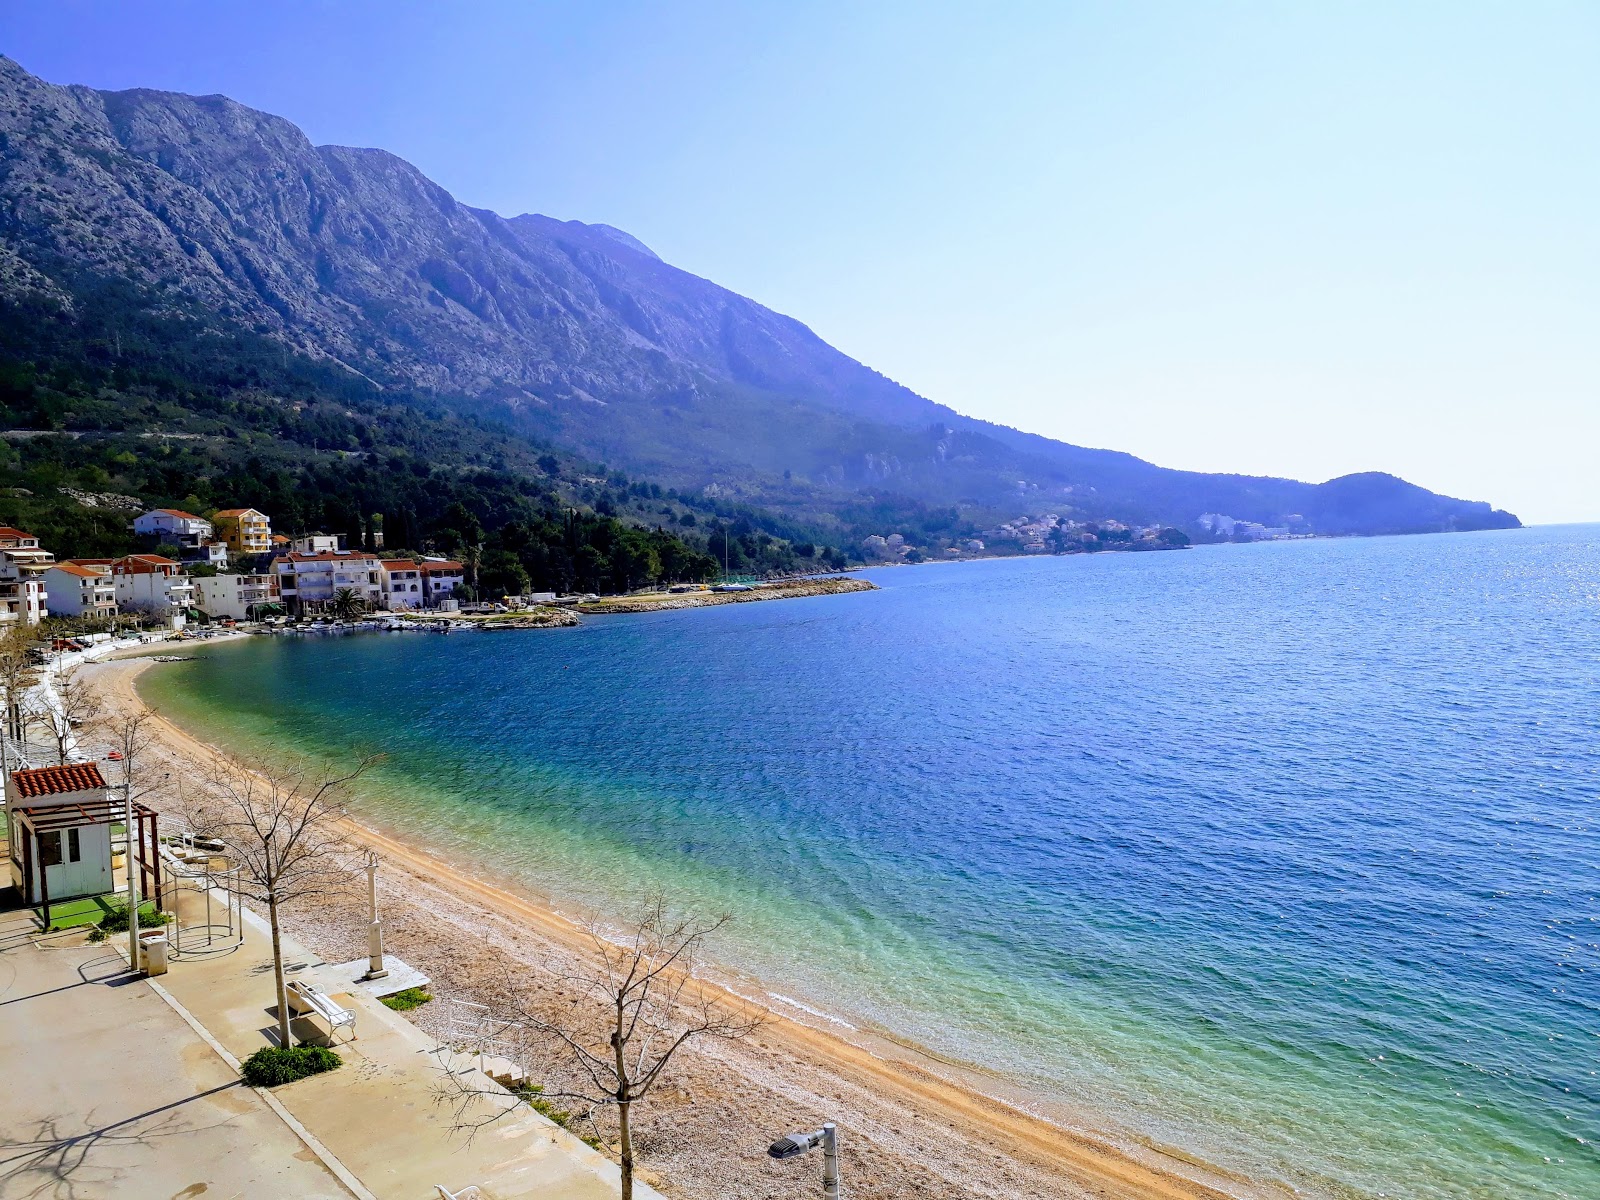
point(306, 999)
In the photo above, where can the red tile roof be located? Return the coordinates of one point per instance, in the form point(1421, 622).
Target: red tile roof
point(6, 531)
point(72, 568)
point(52, 781)
point(178, 512)
point(443, 566)
point(236, 512)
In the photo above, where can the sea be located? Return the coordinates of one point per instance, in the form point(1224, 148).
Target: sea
point(1284, 856)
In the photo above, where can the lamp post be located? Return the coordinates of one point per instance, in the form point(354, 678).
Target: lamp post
point(375, 967)
point(797, 1144)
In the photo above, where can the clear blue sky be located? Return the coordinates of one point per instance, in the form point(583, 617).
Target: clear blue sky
point(1297, 238)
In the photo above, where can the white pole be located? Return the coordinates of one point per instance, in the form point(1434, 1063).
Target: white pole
point(830, 1162)
point(375, 967)
point(127, 860)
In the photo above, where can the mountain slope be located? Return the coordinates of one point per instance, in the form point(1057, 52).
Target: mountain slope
point(578, 333)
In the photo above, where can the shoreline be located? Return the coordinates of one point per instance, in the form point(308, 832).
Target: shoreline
point(783, 590)
point(890, 1095)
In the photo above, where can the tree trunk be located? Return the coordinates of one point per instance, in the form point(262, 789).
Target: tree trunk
point(277, 976)
point(624, 1123)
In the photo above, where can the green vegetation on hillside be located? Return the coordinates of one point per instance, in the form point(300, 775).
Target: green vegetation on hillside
point(164, 410)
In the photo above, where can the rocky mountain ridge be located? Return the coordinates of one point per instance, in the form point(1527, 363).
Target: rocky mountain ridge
point(579, 333)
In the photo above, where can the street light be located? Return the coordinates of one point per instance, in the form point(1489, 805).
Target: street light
point(797, 1144)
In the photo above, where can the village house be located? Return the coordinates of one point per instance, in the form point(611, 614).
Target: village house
point(149, 583)
point(308, 582)
point(318, 543)
point(402, 584)
point(440, 579)
point(173, 525)
point(239, 597)
point(245, 531)
point(76, 590)
point(24, 595)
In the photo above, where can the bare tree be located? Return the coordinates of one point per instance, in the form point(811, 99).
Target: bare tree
point(18, 674)
point(622, 1019)
point(76, 704)
point(283, 827)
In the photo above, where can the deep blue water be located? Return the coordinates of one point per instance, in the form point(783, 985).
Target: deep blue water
point(1284, 854)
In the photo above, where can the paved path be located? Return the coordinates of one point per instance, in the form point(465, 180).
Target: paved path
point(175, 1116)
point(106, 1091)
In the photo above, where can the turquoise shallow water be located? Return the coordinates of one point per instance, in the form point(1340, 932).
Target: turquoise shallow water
point(1284, 854)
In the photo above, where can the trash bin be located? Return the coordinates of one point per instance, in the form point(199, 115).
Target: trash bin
point(153, 953)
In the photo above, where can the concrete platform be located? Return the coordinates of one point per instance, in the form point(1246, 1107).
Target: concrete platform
point(111, 1093)
point(352, 974)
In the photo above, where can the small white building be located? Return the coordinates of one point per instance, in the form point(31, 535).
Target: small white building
point(238, 597)
point(58, 832)
point(149, 583)
point(81, 591)
point(318, 543)
point(173, 525)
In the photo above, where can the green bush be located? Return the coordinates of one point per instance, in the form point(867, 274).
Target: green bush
point(405, 1001)
point(274, 1065)
point(116, 921)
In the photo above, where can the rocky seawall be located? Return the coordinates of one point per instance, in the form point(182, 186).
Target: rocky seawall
point(766, 591)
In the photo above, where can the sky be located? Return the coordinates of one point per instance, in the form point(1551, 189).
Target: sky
point(1277, 238)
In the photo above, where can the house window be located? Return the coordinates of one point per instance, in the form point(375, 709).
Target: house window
point(50, 849)
point(74, 850)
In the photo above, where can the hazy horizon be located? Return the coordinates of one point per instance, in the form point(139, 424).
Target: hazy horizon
point(1275, 242)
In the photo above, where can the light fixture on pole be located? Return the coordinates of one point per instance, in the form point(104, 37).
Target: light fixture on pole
point(375, 967)
point(797, 1144)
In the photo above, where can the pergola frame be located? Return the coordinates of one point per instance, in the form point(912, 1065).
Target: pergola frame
point(76, 814)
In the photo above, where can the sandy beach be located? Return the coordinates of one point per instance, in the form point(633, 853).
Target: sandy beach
point(908, 1127)
point(783, 590)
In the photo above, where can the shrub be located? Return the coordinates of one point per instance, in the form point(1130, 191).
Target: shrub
point(405, 1001)
point(98, 935)
point(274, 1065)
point(116, 921)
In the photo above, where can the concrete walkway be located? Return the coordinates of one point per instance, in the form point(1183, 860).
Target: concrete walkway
point(109, 1092)
point(373, 1128)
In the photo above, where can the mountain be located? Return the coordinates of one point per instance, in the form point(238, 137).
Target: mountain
point(572, 333)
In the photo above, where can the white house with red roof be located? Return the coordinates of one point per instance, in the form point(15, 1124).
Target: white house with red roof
point(76, 590)
point(440, 579)
point(150, 583)
point(173, 525)
point(402, 584)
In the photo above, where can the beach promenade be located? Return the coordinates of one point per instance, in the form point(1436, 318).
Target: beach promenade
point(134, 1089)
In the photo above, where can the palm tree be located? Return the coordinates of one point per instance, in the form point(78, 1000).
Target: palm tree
point(346, 604)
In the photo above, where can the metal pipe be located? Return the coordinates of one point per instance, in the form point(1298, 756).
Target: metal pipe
point(830, 1162)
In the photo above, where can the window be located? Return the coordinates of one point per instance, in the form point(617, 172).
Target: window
point(74, 849)
point(50, 849)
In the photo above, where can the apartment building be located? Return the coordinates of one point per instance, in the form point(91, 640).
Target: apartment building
point(149, 583)
point(240, 597)
point(307, 582)
point(24, 595)
point(244, 531)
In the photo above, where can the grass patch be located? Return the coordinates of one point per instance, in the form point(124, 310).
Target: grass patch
point(405, 1001)
point(274, 1065)
point(109, 912)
